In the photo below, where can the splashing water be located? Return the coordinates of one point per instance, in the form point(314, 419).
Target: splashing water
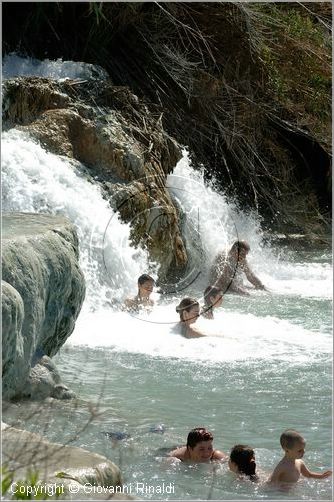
point(14, 65)
point(37, 181)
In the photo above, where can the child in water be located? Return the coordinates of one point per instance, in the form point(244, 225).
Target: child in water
point(142, 299)
point(292, 466)
point(242, 461)
point(189, 312)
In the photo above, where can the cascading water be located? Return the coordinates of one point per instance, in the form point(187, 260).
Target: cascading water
point(37, 181)
point(265, 367)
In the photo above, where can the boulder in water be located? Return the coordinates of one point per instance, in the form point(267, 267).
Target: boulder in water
point(43, 292)
point(57, 464)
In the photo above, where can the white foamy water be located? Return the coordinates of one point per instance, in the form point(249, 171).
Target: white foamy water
point(217, 222)
point(231, 337)
point(14, 65)
point(34, 180)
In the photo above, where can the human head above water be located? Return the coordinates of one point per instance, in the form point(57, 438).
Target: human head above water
point(213, 296)
point(290, 438)
point(240, 248)
point(145, 278)
point(145, 285)
point(188, 309)
point(198, 435)
point(242, 460)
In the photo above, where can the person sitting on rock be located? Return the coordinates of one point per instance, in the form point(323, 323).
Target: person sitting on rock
point(228, 270)
point(199, 448)
point(213, 298)
point(189, 311)
point(142, 299)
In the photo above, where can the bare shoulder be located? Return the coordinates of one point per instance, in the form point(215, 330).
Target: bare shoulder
point(219, 455)
point(220, 258)
point(178, 453)
point(131, 304)
point(277, 472)
point(299, 463)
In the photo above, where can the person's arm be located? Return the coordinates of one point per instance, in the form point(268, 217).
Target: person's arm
point(219, 455)
point(252, 277)
point(233, 288)
point(308, 474)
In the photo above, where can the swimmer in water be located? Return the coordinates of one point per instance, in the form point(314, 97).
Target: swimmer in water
point(228, 270)
point(213, 298)
point(142, 299)
point(242, 461)
point(199, 448)
point(189, 311)
point(289, 469)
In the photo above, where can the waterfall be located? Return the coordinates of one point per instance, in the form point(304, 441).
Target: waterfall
point(35, 180)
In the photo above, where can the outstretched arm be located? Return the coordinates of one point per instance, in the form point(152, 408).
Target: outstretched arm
point(308, 474)
point(252, 277)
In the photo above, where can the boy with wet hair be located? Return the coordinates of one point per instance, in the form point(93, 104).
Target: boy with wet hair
point(142, 299)
point(291, 466)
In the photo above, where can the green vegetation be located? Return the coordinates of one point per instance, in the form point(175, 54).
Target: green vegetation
point(28, 489)
point(297, 58)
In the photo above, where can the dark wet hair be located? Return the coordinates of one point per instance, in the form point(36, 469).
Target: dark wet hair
point(211, 291)
point(197, 435)
point(244, 457)
point(144, 278)
point(239, 245)
point(186, 305)
point(289, 438)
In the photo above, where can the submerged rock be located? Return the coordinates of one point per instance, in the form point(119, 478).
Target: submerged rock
point(57, 464)
point(117, 436)
point(44, 381)
point(158, 429)
point(43, 292)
